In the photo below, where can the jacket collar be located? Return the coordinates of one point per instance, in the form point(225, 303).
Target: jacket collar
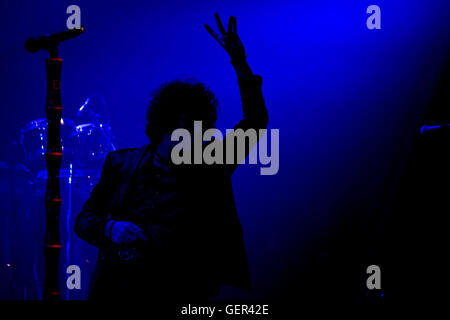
point(132, 162)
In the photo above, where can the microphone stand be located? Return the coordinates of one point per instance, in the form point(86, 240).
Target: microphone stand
point(53, 155)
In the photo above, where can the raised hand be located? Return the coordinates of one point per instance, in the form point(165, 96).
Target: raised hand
point(229, 40)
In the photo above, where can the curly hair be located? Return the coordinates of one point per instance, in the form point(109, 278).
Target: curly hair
point(177, 102)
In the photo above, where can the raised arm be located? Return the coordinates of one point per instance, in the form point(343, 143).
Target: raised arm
point(255, 115)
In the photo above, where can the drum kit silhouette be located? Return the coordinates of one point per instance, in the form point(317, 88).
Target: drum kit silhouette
point(85, 143)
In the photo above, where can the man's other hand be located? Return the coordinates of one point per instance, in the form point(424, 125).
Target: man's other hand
point(125, 233)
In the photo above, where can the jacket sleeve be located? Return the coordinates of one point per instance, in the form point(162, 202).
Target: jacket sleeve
point(91, 221)
point(255, 117)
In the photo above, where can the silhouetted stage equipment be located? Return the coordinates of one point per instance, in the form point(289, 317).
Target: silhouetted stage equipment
point(53, 154)
point(84, 143)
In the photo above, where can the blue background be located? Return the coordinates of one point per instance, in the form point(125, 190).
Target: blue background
point(347, 100)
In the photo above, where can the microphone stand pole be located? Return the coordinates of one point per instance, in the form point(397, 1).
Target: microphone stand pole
point(53, 155)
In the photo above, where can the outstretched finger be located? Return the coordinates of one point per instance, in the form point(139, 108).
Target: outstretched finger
point(230, 25)
point(219, 24)
point(234, 25)
point(211, 32)
point(132, 227)
point(141, 236)
point(214, 34)
point(130, 239)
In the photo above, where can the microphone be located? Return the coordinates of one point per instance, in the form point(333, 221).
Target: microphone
point(48, 41)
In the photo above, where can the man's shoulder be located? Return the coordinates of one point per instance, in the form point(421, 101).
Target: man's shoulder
point(118, 157)
point(122, 152)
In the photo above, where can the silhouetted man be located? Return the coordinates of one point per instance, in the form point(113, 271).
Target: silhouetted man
point(169, 231)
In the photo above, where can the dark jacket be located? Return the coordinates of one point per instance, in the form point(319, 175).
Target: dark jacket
point(202, 244)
